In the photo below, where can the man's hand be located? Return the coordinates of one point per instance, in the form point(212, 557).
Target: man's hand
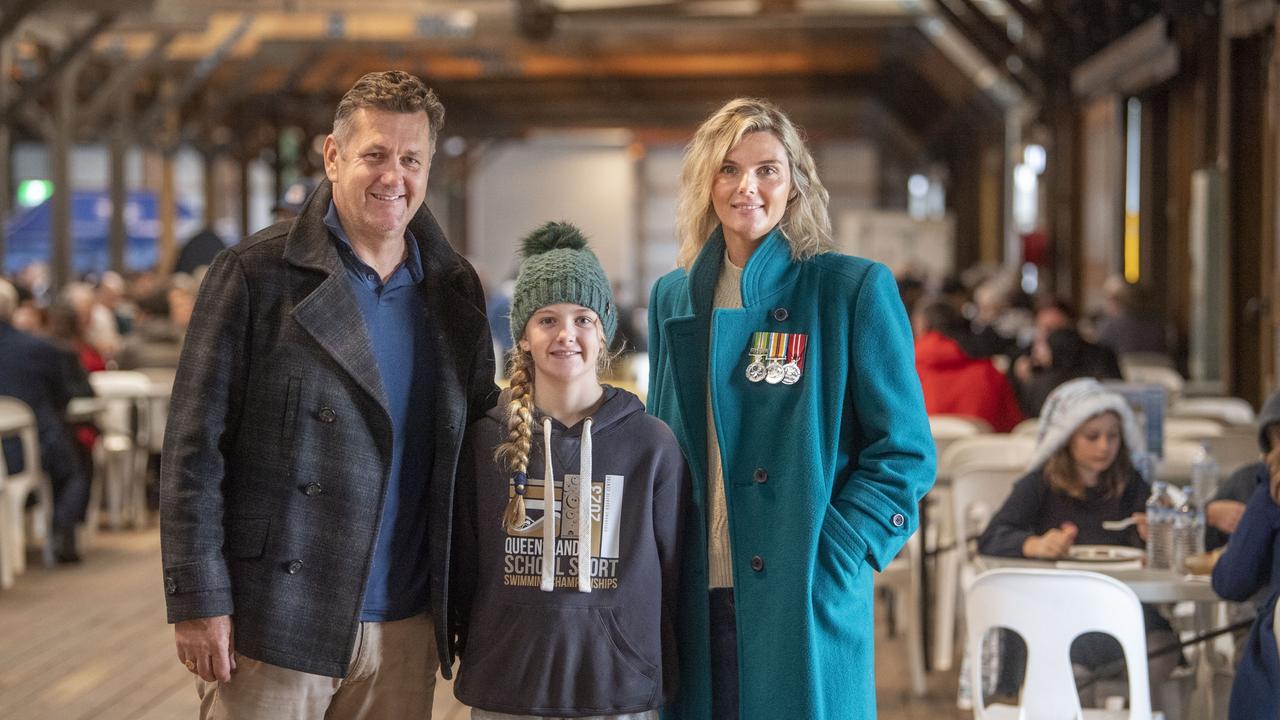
point(207, 643)
point(1224, 514)
point(1052, 544)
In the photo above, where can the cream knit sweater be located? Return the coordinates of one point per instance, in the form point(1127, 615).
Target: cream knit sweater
point(728, 294)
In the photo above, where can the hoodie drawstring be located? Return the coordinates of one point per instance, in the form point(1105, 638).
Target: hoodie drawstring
point(584, 509)
point(549, 513)
point(583, 501)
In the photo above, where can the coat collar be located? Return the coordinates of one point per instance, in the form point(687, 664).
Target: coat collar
point(309, 246)
point(768, 269)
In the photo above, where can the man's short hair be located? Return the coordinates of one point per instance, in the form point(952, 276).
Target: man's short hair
point(8, 300)
point(392, 91)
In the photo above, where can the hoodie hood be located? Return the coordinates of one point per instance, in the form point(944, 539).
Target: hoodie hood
point(618, 405)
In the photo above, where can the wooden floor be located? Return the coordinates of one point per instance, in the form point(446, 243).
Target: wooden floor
point(90, 641)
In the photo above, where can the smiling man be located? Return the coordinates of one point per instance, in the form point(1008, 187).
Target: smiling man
point(331, 365)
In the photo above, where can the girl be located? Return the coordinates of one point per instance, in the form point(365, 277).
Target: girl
point(785, 369)
point(1083, 473)
point(568, 530)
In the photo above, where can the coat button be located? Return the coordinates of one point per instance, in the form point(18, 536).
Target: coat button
point(760, 476)
point(899, 520)
point(313, 489)
point(295, 567)
point(327, 415)
point(757, 563)
point(780, 314)
point(170, 585)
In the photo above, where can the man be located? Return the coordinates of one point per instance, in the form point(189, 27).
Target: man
point(45, 377)
point(329, 371)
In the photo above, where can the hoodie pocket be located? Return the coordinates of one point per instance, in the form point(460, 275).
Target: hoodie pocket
point(556, 660)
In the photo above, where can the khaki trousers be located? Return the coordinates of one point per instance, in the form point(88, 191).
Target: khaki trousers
point(392, 675)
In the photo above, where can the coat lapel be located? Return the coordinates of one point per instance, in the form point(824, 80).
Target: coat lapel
point(328, 312)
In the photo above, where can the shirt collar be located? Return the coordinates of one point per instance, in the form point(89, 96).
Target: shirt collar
point(413, 259)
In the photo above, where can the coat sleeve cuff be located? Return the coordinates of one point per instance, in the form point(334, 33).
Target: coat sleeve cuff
point(884, 529)
point(197, 589)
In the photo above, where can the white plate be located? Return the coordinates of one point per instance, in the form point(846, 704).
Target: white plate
point(1105, 553)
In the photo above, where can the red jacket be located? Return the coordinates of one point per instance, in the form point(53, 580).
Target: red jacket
point(956, 384)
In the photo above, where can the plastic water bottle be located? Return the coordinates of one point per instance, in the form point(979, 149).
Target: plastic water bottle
point(1188, 530)
point(1160, 517)
point(1204, 476)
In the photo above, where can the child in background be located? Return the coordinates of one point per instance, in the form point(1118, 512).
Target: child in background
point(1083, 473)
point(569, 510)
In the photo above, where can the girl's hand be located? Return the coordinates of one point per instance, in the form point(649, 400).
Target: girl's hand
point(1052, 544)
point(1140, 522)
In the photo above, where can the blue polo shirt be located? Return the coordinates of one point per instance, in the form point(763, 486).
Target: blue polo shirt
point(396, 318)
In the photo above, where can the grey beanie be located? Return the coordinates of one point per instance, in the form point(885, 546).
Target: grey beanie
point(559, 267)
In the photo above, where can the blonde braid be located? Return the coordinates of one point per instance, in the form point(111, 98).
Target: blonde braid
point(513, 453)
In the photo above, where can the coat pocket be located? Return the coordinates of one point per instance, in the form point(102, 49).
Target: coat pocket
point(290, 423)
point(247, 537)
point(839, 537)
point(551, 659)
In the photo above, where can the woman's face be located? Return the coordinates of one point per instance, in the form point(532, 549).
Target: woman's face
point(750, 190)
point(564, 342)
point(1094, 446)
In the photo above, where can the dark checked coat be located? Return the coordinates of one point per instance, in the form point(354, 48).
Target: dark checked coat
point(822, 478)
point(278, 444)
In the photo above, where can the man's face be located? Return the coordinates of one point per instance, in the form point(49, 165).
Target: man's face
point(379, 172)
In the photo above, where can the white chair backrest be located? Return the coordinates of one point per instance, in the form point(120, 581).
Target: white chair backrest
point(957, 426)
point(1227, 410)
point(1050, 609)
point(17, 419)
point(1030, 426)
point(1179, 456)
point(1155, 375)
point(122, 391)
point(976, 494)
point(1188, 428)
point(995, 450)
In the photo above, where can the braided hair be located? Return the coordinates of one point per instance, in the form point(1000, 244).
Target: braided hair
point(512, 454)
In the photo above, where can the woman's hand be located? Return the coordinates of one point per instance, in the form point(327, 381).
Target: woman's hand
point(1052, 544)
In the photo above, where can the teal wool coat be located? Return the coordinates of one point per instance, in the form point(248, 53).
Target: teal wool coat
point(822, 478)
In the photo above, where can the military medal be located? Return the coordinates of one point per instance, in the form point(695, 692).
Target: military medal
point(792, 371)
point(758, 350)
point(777, 353)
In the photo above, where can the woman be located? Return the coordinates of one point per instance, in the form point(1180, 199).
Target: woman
point(785, 371)
point(1251, 563)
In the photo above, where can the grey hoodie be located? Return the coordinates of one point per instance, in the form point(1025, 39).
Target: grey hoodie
point(563, 650)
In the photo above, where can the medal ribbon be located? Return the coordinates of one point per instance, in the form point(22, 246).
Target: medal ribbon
point(759, 343)
point(777, 345)
point(795, 349)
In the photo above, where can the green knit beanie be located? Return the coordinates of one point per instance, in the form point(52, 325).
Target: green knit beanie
point(558, 267)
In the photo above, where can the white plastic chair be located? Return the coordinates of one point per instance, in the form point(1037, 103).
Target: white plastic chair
point(1234, 449)
point(125, 440)
point(1189, 428)
point(6, 536)
point(1179, 456)
point(978, 489)
point(1226, 410)
point(1030, 427)
point(1050, 609)
point(946, 429)
point(1166, 377)
point(994, 450)
point(17, 420)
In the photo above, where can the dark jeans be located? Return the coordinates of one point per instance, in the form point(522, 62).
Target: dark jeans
point(724, 655)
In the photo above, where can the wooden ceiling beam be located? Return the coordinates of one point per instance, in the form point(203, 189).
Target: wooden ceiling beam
point(75, 47)
point(14, 13)
point(121, 81)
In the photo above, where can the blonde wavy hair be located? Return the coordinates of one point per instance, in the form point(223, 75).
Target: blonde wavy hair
point(805, 223)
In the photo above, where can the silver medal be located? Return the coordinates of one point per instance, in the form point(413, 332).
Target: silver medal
point(756, 371)
point(790, 373)
point(773, 375)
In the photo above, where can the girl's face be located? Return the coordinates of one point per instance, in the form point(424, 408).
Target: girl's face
point(564, 341)
point(1094, 446)
point(750, 190)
